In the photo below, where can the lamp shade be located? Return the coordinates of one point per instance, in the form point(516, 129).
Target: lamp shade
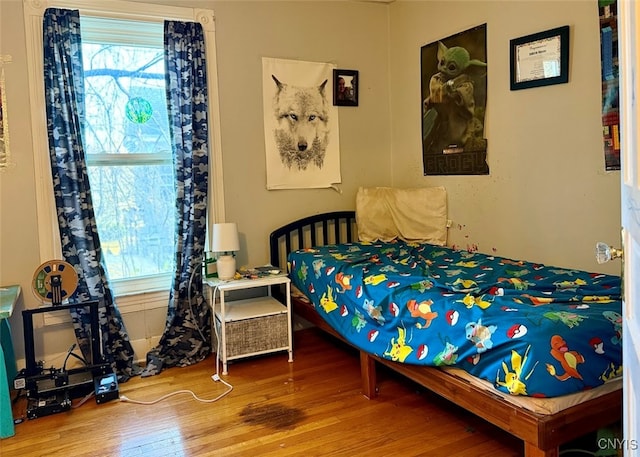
point(225, 237)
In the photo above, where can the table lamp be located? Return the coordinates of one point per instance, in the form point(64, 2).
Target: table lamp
point(225, 243)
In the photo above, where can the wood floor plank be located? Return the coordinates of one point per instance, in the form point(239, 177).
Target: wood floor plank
point(311, 407)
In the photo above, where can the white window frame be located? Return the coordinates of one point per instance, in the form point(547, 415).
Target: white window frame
point(48, 233)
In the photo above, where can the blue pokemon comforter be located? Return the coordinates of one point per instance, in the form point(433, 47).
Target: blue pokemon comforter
point(530, 329)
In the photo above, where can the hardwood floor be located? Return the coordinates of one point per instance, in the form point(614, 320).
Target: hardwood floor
point(311, 407)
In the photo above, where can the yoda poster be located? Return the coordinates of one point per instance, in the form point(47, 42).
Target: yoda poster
point(454, 97)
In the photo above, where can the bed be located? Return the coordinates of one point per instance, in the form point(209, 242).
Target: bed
point(543, 420)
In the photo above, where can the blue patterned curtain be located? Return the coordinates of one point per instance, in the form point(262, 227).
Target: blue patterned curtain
point(64, 99)
point(187, 335)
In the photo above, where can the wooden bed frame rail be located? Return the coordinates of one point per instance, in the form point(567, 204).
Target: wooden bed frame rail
point(542, 433)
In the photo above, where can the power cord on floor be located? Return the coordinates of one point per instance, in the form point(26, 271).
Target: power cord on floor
point(124, 398)
point(215, 330)
point(215, 377)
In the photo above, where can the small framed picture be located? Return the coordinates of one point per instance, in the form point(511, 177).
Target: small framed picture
point(540, 59)
point(345, 87)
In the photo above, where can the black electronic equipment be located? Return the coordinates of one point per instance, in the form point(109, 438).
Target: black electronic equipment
point(32, 367)
point(106, 387)
point(51, 390)
point(45, 405)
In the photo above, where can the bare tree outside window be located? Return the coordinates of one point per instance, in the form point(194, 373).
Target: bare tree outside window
point(129, 158)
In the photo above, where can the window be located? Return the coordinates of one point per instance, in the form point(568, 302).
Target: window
point(128, 150)
point(126, 136)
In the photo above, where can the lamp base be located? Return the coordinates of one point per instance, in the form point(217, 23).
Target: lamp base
point(226, 267)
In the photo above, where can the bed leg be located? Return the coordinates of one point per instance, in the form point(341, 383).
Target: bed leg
point(368, 375)
point(533, 451)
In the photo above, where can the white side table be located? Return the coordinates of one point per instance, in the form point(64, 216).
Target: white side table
point(252, 326)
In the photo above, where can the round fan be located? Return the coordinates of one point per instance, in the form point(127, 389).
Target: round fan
point(54, 281)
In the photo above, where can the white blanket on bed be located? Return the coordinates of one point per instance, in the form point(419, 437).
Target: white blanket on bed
point(417, 214)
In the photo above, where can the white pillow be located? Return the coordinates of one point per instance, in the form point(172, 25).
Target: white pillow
point(417, 214)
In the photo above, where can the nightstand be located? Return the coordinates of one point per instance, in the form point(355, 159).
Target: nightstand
point(251, 326)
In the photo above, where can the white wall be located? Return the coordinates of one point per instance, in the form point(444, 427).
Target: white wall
point(351, 35)
point(547, 198)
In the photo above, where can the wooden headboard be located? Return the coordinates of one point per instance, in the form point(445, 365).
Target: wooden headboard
point(318, 230)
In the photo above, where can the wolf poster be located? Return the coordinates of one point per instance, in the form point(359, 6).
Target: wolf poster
point(454, 96)
point(300, 124)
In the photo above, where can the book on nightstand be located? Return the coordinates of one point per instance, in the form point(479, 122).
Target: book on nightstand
point(262, 271)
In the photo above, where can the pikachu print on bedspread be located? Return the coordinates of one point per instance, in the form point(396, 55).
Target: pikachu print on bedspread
point(514, 381)
point(327, 302)
point(399, 350)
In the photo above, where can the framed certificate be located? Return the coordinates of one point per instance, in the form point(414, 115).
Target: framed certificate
point(540, 59)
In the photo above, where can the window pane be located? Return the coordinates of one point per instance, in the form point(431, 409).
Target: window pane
point(135, 217)
point(126, 109)
point(126, 114)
